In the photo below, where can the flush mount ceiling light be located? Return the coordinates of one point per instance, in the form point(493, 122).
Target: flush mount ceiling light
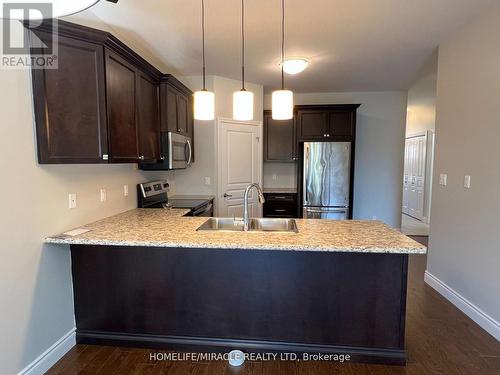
point(295, 65)
point(60, 8)
point(282, 100)
point(204, 100)
point(243, 99)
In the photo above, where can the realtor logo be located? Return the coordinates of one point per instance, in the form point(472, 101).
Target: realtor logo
point(24, 47)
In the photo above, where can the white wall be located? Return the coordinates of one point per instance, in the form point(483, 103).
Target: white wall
point(36, 300)
point(192, 180)
point(379, 150)
point(464, 234)
point(421, 118)
point(421, 110)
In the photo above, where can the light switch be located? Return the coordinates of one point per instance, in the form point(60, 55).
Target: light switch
point(443, 179)
point(103, 195)
point(125, 190)
point(467, 182)
point(72, 201)
point(207, 181)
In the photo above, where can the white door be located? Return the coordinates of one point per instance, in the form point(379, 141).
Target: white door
point(414, 176)
point(239, 165)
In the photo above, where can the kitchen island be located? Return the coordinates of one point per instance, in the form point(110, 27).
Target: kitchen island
point(148, 278)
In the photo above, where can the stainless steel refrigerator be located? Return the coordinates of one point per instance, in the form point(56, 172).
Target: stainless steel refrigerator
point(327, 176)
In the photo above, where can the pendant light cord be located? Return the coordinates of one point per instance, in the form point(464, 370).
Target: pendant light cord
point(282, 43)
point(243, 45)
point(203, 38)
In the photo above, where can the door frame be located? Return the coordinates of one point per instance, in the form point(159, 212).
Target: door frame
point(218, 157)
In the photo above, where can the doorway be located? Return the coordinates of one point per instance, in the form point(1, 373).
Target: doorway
point(239, 164)
point(417, 183)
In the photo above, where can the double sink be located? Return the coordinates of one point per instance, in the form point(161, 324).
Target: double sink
point(255, 225)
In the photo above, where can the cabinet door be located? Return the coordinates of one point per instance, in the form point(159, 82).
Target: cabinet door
point(312, 124)
point(122, 117)
point(168, 108)
point(148, 115)
point(341, 125)
point(70, 107)
point(279, 139)
point(182, 114)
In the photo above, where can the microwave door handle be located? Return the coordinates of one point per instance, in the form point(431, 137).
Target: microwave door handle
point(190, 155)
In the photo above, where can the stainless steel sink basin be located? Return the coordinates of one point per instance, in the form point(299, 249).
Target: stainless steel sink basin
point(256, 225)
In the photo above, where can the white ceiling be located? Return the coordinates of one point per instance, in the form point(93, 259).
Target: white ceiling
point(354, 45)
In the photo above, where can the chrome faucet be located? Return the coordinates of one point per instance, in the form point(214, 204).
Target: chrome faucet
point(246, 218)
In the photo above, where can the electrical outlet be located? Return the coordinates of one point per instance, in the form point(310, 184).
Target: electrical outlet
point(103, 195)
point(443, 179)
point(125, 190)
point(275, 177)
point(72, 200)
point(207, 181)
point(467, 182)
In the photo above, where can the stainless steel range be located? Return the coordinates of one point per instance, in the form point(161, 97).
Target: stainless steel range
point(154, 194)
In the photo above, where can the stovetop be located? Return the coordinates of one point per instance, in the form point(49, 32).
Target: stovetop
point(188, 203)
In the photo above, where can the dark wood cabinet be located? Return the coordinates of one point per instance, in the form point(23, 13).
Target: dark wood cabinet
point(103, 103)
point(121, 94)
point(334, 122)
point(312, 124)
point(69, 105)
point(148, 116)
point(176, 108)
point(280, 205)
point(279, 139)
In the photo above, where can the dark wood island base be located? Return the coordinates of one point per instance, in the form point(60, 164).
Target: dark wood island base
point(253, 300)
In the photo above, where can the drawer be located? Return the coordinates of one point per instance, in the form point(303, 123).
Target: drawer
point(275, 210)
point(290, 198)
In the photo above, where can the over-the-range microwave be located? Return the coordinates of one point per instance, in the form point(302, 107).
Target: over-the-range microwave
point(177, 151)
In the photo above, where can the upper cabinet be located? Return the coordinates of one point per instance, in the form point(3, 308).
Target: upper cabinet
point(121, 85)
point(279, 139)
point(176, 107)
point(336, 122)
point(70, 105)
point(148, 118)
point(103, 103)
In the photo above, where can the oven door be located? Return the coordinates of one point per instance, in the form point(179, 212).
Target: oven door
point(180, 151)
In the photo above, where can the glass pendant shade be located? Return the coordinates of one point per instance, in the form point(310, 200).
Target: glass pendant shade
point(204, 103)
point(282, 105)
point(243, 105)
point(59, 8)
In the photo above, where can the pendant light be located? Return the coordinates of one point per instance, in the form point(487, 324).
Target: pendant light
point(282, 100)
point(243, 99)
point(204, 100)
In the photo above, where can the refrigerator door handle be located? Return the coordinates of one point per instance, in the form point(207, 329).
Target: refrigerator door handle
point(306, 172)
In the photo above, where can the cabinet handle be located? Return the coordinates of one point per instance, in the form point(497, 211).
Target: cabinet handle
point(279, 210)
point(162, 157)
point(179, 130)
point(328, 135)
point(279, 197)
point(226, 195)
point(105, 157)
point(141, 157)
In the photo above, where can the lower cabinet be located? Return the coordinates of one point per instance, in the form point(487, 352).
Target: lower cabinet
point(280, 205)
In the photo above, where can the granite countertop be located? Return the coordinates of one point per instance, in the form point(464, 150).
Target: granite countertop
point(167, 228)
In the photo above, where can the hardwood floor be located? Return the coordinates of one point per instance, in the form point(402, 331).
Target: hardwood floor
point(440, 340)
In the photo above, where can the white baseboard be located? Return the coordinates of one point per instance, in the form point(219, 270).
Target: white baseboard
point(485, 321)
point(53, 354)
